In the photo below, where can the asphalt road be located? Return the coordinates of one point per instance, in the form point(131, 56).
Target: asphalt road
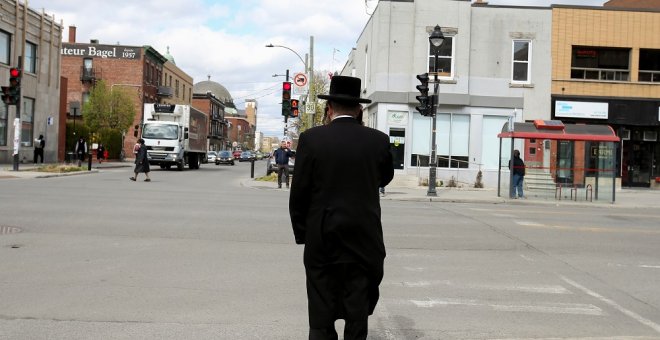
point(196, 255)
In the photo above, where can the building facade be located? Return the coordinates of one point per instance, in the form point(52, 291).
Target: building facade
point(606, 70)
point(215, 109)
point(176, 85)
point(137, 70)
point(484, 79)
point(35, 37)
point(240, 134)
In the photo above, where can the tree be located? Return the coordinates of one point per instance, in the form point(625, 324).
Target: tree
point(108, 108)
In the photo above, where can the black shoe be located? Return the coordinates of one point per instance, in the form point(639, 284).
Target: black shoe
point(132, 179)
point(279, 186)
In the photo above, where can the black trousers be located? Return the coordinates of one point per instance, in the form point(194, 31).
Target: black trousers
point(38, 153)
point(282, 169)
point(338, 291)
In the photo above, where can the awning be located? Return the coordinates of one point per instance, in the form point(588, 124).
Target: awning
point(559, 131)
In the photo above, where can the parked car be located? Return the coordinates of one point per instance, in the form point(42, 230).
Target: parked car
point(272, 167)
point(236, 154)
point(224, 157)
point(259, 155)
point(210, 156)
point(246, 156)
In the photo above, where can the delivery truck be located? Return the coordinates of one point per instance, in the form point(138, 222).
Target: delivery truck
point(175, 135)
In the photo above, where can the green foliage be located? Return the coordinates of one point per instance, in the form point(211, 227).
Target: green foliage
point(108, 108)
point(320, 85)
point(80, 130)
point(111, 140)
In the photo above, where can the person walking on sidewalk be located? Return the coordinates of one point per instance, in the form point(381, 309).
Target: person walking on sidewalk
point(518, 175)
point(39, 145)
point(282, 161)
point(100, 153)
point(141, 162)
point(337, 216)
point(81, 150)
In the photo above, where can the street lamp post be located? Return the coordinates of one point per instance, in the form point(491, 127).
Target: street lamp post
point(436, 38)
point(309, 68)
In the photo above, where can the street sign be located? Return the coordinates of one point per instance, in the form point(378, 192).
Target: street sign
point(300, 79)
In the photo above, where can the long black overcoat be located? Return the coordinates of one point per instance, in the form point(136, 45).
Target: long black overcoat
point(334, 202)
point(141, 160)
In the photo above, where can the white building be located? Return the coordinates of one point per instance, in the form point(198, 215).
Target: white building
point(479, 89)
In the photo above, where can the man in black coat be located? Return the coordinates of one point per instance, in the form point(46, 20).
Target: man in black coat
point(335, 212)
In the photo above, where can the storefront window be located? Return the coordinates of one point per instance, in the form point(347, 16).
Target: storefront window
point(649, 65)
point(600, 63)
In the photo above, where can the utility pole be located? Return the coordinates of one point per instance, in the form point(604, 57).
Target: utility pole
point(312, 95)
point(17, 120)
point(286, 117)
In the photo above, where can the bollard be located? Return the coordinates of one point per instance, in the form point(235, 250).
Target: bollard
point(252, 168)
point(89, 162)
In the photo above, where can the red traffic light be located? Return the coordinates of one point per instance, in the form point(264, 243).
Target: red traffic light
point(294, 103)
point(14, 72)
point(286, 86)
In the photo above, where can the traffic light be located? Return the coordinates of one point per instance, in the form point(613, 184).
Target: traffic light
point(294, 108)
point(286, 98)
point(11, 94)
point(425, 106)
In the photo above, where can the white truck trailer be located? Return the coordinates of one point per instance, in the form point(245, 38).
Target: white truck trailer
point(175, 135)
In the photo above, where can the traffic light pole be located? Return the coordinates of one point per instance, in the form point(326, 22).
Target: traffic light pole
point(286, 117)
point(17, 120)
point(433, 162)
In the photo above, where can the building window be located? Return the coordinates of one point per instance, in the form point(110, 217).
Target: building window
point(27, 122)
point(452, 140)
point(30, 57)
point(184, 92)
point(445, 58)
point(3, 124)
point(5, 40)
point(521, 61)
point(85, 98)
point(649, 65)
point(600, 63)
point(176, 88)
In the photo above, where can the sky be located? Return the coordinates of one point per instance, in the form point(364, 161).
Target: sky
point(226, 39)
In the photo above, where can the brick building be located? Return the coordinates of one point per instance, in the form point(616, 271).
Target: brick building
point(240, 133)
point(215, 109)
point(137, 69)
point(37, 34)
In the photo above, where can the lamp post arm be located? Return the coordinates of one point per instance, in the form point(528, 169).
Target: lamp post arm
point(296, 53)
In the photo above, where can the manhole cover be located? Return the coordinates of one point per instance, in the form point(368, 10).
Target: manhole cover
point(9, 230)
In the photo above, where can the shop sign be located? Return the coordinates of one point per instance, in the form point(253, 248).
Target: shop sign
point(588, 110)
point(397, 118)
point(100, 51)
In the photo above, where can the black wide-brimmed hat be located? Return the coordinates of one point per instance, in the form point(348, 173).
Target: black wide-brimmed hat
point(345, 89)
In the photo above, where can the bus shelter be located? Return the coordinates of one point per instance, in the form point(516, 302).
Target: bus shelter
point(562, 161)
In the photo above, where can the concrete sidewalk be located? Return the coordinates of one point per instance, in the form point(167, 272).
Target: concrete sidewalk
point(625, 198)
point(29, 170)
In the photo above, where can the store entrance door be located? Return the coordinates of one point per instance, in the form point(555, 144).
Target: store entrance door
point(565, 162)
point(397, 147)
point(637, 163)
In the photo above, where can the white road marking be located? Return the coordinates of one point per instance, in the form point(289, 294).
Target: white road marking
point(530, 224)
point(622, 337)
point(541, 289)
point(631, 314)
point(526, 258)
point(504, 215)
point(648, 266)
point(553, 308)
point(414, 269)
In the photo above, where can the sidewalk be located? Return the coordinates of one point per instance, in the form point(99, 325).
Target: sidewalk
point(625, 198)
point(28, 170)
